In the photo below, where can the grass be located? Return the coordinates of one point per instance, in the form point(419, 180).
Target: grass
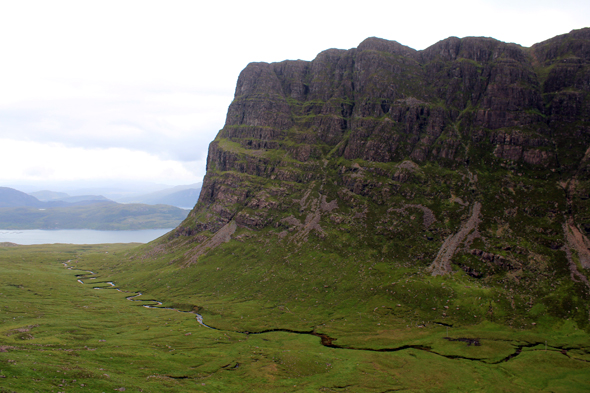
point(59, 335)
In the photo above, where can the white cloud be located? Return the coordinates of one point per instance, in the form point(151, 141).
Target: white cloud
point(38, 172)
point(33, 161)
point(105, 80)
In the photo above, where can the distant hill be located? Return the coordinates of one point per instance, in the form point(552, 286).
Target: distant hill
point(180, 196)
point(85, 198)
point(9, 197)
point(183, 199)
point(19, 210)
point(102, 216)
point(48, 196)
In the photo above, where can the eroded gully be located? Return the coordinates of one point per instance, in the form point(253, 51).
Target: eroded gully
point(325, 340)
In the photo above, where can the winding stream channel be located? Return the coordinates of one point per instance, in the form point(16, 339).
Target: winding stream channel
point(326, 340)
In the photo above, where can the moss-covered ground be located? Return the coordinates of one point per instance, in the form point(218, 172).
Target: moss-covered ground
point(62, 336)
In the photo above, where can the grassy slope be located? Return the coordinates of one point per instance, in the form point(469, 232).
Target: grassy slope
point(150, 349)
point(363, 281)
point(346, 269)
point(370, 292)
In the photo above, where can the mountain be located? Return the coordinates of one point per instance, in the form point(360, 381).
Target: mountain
point(377, 219)
point(85, 198)
point(47, 196)
point(116, 190)
point(23, 211)
point(106, 215)
point(183, 199)
point(449, 185)
point(127, 191)
point(185, 196)
point(9, 197)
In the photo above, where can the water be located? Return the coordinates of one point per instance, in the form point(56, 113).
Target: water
point(78, 236)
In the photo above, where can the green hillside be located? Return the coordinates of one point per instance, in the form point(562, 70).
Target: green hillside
point(377, 219)
point(58, 334)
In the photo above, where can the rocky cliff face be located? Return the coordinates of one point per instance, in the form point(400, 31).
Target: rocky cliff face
point(469, 156)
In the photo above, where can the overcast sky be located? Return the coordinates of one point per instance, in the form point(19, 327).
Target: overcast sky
point(136, 90)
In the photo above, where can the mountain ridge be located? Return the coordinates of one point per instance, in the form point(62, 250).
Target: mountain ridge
point(184, 196)
point(501, 113)
point(19, 210)
point(466, 161)
point(51, 196)
point(376, 219)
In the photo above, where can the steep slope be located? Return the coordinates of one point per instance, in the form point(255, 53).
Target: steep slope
point(464, 164)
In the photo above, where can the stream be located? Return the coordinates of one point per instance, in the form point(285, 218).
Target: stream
point(325, 340)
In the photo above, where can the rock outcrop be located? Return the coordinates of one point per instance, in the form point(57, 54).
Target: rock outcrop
point(419, 153)
point(442, 263)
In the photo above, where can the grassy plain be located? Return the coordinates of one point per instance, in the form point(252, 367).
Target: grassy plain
point(58, 335)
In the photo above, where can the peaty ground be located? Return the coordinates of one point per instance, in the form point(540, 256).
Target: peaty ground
point(58, 335)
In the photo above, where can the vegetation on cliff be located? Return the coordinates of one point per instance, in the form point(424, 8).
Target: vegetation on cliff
point(384, 218)
point(466, 161)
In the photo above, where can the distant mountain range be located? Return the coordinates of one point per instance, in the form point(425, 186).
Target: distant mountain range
point(19, 210)
point(184, 197)
point(48, 196)
point(118, 191)
point(180, 196)
point(9, 197)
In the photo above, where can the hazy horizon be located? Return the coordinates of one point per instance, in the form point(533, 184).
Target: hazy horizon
point(115, 190)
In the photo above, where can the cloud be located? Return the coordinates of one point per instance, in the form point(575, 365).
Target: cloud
point(173, 125)
point(151, 81)
point(38, 172)
point(34, 161)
